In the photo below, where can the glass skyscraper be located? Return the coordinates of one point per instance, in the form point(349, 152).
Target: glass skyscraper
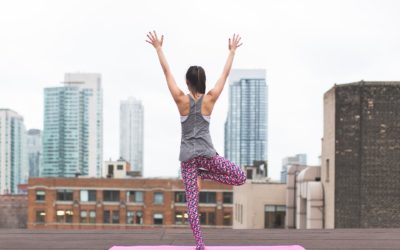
point(73, 127)
point(34, 149)
point(13, 157)
point(131, 133)
point(246, 125)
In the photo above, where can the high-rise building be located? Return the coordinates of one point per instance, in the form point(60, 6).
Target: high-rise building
point(34, 150)
point(360, 168)
point(299, 159)
point(131, 133)
point(73, 127)
point(246, 125)
point(13, 157)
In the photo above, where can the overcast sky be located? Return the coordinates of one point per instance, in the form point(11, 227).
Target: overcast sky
point(305, 46)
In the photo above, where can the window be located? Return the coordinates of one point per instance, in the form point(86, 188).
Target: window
point(227, 219)
point(211, 218)
point(111, 196)
point(92, 216)
point(40, 217)
point(120, 167)
point(40, 195)
point(134, 217)
point(88, 195)
point(64, 195)
point(327, 171)
point(64, 216)
point(110, 170)
point(207, 197)
point(207, 218)
point(158, 198)
point(249, 174)
point(134, 196)
point(130, 217)
point(139, 217)
point(111, 216)
point(227, 197)
point(181, 218)
point(106, 216)
point(180, 197)
point(203, 218)
point(274, 216)
point(115, 217)
point(84, 216)
point(158, 219)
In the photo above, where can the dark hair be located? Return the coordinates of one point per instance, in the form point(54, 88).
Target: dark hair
point(196, 79)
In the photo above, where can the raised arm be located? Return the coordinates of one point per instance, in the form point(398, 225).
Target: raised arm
point(234, 43)
point(176, 92)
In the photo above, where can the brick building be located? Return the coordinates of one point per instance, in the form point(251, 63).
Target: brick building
point(361, 155)
point(98, 203)
point(13, 210)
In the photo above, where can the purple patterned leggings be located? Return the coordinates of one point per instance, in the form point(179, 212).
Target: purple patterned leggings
point(218, 169)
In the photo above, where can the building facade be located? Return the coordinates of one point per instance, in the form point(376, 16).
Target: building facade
point(361, 154)
point(107, 203)
point(246, 125)
point(13, 210)
point(259, 204)
point(34, 149)
point(73, 127)
point(13, 157)
point(299, 159)
point(131, 132)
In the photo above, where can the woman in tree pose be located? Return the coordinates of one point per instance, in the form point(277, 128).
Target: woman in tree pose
point(199, 160)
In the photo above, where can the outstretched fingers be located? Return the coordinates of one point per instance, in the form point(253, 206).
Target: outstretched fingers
point(150, 37)
point(235, 41)
point(153, 39)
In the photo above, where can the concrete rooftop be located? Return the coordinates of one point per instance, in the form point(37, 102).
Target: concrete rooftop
point(366, 239)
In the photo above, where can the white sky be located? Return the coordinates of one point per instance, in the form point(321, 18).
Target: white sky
point(305, 46)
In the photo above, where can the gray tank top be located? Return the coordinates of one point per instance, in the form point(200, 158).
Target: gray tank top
point(196, 139)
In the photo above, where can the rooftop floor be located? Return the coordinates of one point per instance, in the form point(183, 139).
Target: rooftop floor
point(365, 239)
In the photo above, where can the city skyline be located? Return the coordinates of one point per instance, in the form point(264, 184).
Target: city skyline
point(306, 47)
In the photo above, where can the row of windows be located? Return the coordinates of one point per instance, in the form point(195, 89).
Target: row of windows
point(205, 197)
point(132, 196)
point(206, 218)
point(89, 216)
point(132, 217)
point(90, 195)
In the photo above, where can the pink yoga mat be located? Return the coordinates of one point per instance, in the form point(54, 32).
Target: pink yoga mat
point(294, 247)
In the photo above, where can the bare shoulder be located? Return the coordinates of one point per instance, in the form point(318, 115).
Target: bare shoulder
point(183, 104)
point(208, 104)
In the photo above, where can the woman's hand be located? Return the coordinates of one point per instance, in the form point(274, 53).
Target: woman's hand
point(215, 92)
point(234, 43)
point(153, 40)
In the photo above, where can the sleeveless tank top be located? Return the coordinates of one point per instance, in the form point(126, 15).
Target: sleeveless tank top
point(196, 139)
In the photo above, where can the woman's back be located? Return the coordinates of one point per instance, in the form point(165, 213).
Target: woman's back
point(195, 138)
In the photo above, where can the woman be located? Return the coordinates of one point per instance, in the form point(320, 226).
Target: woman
point(199, 160)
